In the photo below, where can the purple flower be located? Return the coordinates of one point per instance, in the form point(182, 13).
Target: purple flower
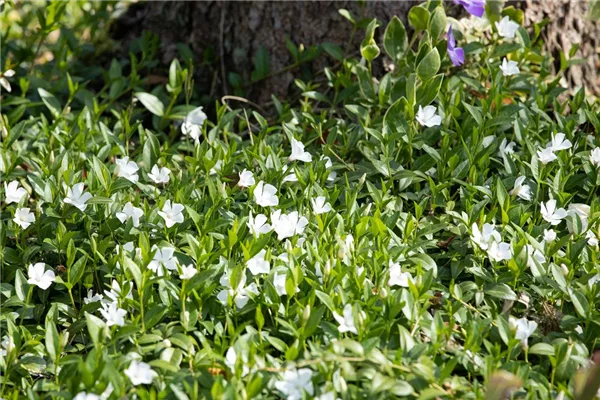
point(456, 54)
point(473, 7)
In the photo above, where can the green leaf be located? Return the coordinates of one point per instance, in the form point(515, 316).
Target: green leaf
point(429, 65)
point(77, 270)
point(151, 102)
point(52, 342)
point(394, 39)
point(333, 50)
point(325, 299)
point(418, 17)
point(579, 302)
point(261, 64)
point(500, 291)
point(151, 151)
point(50, 101)
point(543, 349)
point(437, 23)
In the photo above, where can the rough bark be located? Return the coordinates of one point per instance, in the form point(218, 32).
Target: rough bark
point(234, 31)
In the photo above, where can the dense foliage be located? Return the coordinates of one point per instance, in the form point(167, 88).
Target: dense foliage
point(430, 232)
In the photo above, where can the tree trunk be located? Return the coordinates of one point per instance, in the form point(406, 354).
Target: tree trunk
point(227, 35)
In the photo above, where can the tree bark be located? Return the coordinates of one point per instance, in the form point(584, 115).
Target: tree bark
point(229, 34)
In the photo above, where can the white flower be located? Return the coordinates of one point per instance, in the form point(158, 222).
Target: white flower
point(319, 205)
point(524, 328)
point(506, 147)
point(140, 373)
point(86, 396)
point(295, 383)
point(23, 217)
point(534, 255)
point(520, 190)
point(327, 396)
point(507, 28)
point(328, 164)
point(290, 177)
point(499, 251)
point(113, 314)
point(546, 155)
point(551, 214)
point(258, 264)
point(265, 195)
point(160, 175)
point(39, 277)
point(240, 295)
point(509, 68)
point(92, 298)
point(288, 225)
point(346, 321)
point(231, 360)
point(346, 247)
point(298, 152)
point(549, 235)
point(129, 211)
point(13, 193)
point(7, 345)
point(559, 142)
point(4, 82)
point(76, 197)
point(172, 214)
point(595, 157)
point(246, 179)
point(188, 272)
point(279, 283)
point(127, 169)
point(427, 116)
point(397, 277)
point(163, 257)
point(192, 125)
point(258, 225)
point(484, 237)
point(116, 292)
point(583, 210)
point(592, 239)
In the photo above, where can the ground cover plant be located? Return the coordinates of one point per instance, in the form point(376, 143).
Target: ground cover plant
point(429, 232)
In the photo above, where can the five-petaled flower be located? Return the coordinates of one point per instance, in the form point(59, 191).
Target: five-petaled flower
point(523, 328)
point(76, 197)
point(320, 205)
point(13, 193)
point(266, 195)
point(397, 277)
point(163, 257)
point(295, 383)
point(172, 213)
point(130, 211)
point(521, 190)
point(192, 125)
point(246, 179)
point(509, 67)
point(551, 214)
point(39, 277)
point(507, 28)
point(23, 217)
point(127, 169)
point(160, 175)
point(428, 117)
point(298, 152)
point(140, 373)
point(188, 272)
point(258, 225)
point(113, 314)
point(346, 320)
point(288, 225)
point(258, 264)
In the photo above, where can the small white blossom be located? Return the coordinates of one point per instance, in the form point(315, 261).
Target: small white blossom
point(506, 147)
point(127, 169)
point(130, 211)
point(39, 276)
point(346, 321)
point(507, 28)
point(549, 235)
point(172, 213)
point(592, 239)
point(163, 257)
point(6, 346)
point(298, 152)
point(551, 214)
point(188, 272)
point(192, 125)
point(509, 68)
point(397, 277)
point(76, 197)
point(595, 157)
point(258, 225)
point(524, 328)
point(113, 314)
point(258, 264)
point(160, 175)
point(546, 155)
point(288, 225)
point(559, 142)
point(246, 179)
point(265, 195)
point(346, 248)
point(13, 193)
point(320, 205)
point(240, 295)
point(484, 237)
point(279, 283)
point(428, 116)
point(295, 383)
point(23, 217)
point(499, 251)
point(521, 190)
point(86, 396)
point(92, 298)
point(140, 373)
point(231, 359)
point(9, 73)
